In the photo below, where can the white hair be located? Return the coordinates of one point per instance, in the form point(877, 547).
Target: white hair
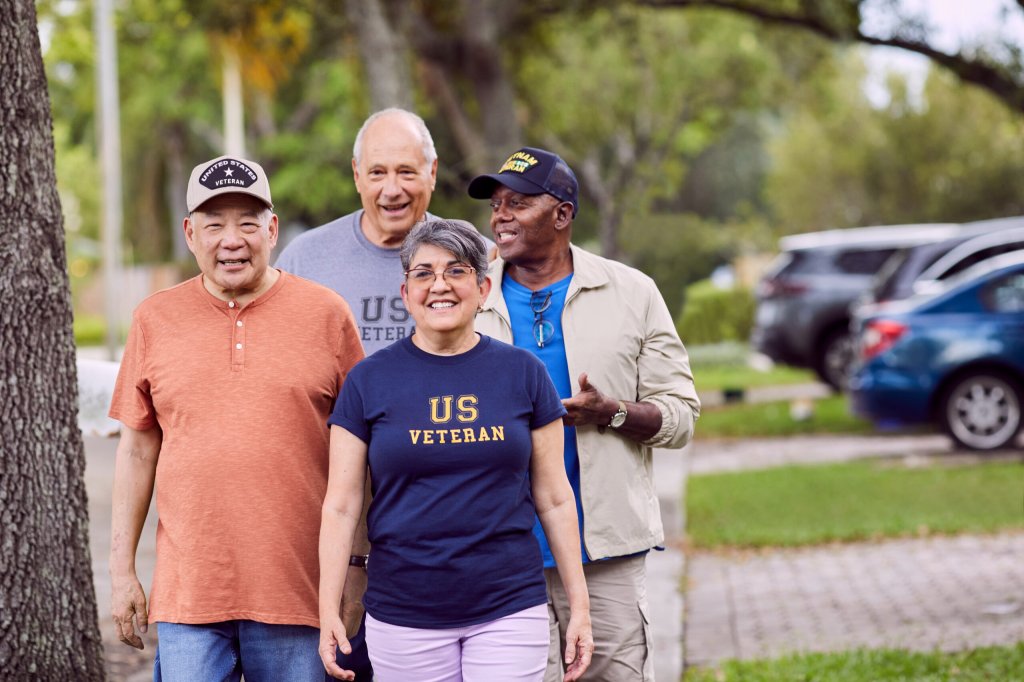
point(429, 153)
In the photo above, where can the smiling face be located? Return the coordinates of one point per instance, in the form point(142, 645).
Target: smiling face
point(393, 179)
point(441, 307)
point(528, 227)
point(231, 236)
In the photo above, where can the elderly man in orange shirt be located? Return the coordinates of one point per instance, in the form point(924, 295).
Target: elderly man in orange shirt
point(223, 393)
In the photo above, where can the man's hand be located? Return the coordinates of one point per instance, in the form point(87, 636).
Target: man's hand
point(352, 599)
point(589, 406)
point(332, 637)
point(128, 606)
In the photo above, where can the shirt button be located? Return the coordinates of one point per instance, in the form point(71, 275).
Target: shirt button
point(231, 304)
point(238, 324)
point(238, 346)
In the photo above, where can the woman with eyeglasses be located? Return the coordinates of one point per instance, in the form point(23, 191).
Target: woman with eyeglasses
point(462, 437)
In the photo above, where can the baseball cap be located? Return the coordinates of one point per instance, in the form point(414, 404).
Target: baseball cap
point(224, 175)
point(531, 171)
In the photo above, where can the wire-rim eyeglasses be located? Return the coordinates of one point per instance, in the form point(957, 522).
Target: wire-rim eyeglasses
point(453, 274)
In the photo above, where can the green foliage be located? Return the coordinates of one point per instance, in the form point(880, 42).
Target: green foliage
point(803, 505)
point(976, 665)
point(840, 161)
point(312, 176)
point(90, 330)
point(708, 133)
point(756, 420)
point(711, 314)
point(678, 249)
point(171, 117)
point(647, 97)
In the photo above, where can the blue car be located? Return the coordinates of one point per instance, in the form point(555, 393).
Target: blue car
point(954, 358)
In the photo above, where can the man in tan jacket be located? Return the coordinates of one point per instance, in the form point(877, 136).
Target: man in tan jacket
point(610, 345)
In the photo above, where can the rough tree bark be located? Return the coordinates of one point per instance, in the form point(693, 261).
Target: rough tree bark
point(48, 626)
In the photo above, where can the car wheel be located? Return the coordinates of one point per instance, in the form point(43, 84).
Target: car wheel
point(835, 359)
point(982, 412)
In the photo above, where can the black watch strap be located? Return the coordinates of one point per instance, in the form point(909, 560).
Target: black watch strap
point(359, 560)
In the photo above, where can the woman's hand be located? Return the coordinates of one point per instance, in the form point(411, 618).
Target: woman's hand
point(579, 645)
point(332, 637)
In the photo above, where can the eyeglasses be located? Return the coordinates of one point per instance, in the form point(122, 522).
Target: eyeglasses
point(453, 274)
point(543, 330)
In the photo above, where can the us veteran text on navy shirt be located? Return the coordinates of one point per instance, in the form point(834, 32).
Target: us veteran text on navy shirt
point(449, 450)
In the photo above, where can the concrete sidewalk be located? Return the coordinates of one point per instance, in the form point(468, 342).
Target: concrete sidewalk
point(948, 593)
point(953, 593)
point(665, 569)
point(124, 664)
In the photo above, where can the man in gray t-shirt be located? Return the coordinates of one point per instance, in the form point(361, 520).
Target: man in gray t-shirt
point(395, 169)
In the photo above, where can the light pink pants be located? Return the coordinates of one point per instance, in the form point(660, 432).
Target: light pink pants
point(509, 649)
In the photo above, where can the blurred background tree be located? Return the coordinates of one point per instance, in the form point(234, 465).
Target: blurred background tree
point(701, 130)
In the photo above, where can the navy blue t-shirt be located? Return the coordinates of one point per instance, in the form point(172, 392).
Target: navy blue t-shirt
point(449, 447)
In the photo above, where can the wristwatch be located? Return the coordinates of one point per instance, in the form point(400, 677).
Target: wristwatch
point(619, 418)
point(359, 560)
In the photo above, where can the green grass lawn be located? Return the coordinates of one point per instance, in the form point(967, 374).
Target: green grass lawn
point(718, 377)
point(725, 365)
point(1002, 664)
point(743, 420)
point(803, 505)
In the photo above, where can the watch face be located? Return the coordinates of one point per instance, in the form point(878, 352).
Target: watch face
point(618, 420)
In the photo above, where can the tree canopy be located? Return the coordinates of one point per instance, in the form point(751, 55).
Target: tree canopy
point(747, 117)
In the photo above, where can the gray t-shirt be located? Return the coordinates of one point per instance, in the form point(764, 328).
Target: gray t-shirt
point(339, 256)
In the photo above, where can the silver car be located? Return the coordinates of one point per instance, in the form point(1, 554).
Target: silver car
point(803, 303)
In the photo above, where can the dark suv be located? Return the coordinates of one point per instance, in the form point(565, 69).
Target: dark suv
point(803, 302)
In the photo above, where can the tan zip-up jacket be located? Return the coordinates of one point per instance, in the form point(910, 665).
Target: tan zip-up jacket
point(618, 330)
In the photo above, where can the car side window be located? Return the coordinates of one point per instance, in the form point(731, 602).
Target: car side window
point(980, 255)
point(863, 262)
point(1004, 294)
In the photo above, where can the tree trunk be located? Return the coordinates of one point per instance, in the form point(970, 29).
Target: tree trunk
point(234, 100)
point(483, 23)
point(176, 177)
point(602, 193)
point(48, 626)
point(383, 54)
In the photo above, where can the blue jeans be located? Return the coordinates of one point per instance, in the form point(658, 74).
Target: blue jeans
point(223, 652)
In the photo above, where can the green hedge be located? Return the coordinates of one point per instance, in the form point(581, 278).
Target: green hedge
point(713, 315)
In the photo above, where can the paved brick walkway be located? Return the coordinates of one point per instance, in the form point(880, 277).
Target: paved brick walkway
point(939, 593)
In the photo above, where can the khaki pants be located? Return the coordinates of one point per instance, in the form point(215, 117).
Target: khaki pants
point(619, 613)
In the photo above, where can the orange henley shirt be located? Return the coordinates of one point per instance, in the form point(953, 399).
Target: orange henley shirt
point(242, 397)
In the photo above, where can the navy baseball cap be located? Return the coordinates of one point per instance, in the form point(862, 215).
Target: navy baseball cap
point(531, 171)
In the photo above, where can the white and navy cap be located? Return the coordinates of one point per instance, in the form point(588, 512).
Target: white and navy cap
point(224, 175)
